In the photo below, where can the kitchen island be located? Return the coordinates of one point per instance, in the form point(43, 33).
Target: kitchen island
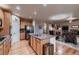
point(60, 47)
point(37, 42)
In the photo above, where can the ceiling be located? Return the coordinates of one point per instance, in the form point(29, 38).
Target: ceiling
point(44, 12)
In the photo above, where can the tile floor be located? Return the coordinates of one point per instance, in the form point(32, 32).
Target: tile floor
point(21, 48)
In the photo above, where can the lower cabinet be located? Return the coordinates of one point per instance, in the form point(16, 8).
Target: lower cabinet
point(22, 36)
point(5, 46)
point(1, 49)
point(65, 50)
point(36, 45)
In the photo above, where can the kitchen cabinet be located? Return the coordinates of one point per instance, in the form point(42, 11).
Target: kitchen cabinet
point(38, 47)
point(37, 44)
point(1, 19)
point(5, 46)
point(30, 41)
point(22, 35)
point(1, 49)
point(65, 50)
point(34, 43)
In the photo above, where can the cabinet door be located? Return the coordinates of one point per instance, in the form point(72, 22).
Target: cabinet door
point(38, 47)
point(31, 41)
point(34, 44)
point(8, 45)
point(5, 48)
point(22, 35)
point(1, 49)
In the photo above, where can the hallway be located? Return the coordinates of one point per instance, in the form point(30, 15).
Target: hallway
point(21, 48)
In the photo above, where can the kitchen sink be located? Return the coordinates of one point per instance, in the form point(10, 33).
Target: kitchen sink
point(2, 38)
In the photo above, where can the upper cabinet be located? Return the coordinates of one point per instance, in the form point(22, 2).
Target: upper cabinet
point(1, 19)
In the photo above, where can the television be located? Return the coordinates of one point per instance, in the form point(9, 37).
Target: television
point(65, 28)
point(71, 38)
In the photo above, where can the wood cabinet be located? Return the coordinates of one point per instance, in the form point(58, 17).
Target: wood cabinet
point(38, 47)
point(34, 43)
point(37, 44)
point(22, 35)
point(5, 46)
point(1, 49)
point(1, 18)
point(30, 41)
point(65, 50)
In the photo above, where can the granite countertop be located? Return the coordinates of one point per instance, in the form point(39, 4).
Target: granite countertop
point(53, 41)
point(71, 45)
point(42, 36)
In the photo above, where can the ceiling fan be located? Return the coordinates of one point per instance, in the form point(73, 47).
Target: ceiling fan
point(71, 19)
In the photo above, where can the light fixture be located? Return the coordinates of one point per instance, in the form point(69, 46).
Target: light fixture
point(33, 23)
point(35, 13)
point(75, 26)
point(44, 5)
point(70, 18)
point(18, 7)
point(70, 21)
point(16, 13)
point(30, 17)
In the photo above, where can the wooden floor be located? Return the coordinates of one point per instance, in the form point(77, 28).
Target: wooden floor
point(21, 48)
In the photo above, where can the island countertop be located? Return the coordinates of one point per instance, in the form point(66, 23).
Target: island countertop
point(42, 36)
point(53, 41)
point(71, 45)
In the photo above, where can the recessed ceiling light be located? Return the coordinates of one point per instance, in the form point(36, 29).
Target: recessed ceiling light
point(35, 13)
point(16, 13)
point(70, 21)
point(44, 5)
point(18, 7)
point(30, 17)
